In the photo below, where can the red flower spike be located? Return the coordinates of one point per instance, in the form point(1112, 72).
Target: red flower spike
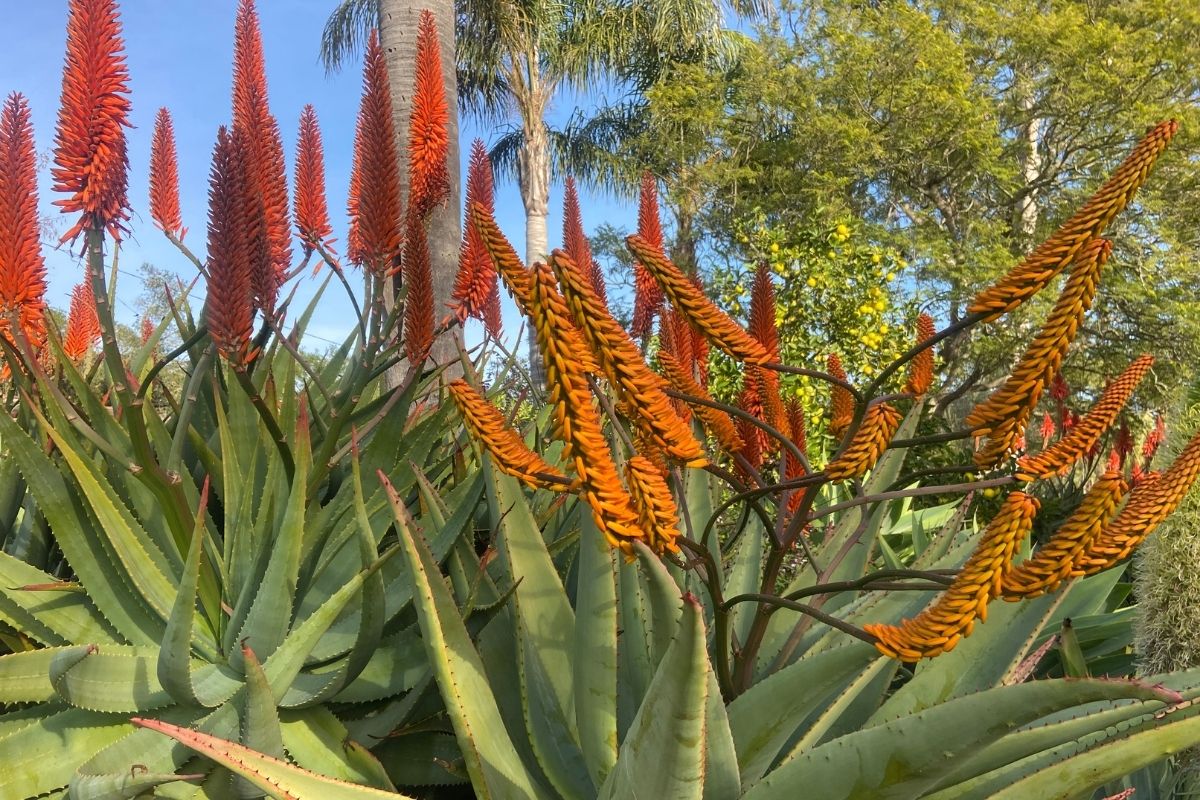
point(374, 203)
point(263, 156)
point(648, 295)
point(310, 211)
point(763, 328)
point(83, 324)
point(1124, 443)
point(1047, 429)
point(90, 157)
point(491, 310)
point(428, 140)
point(476, 281)
point(230, 247)
point(22, 270)
point(1059, 389)
point(1114, 461)
point(576, 244)
point(1155, 438)
point(164, 177)
point(418, 304)
point(147, 329)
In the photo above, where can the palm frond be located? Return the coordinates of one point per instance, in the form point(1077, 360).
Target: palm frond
point(346, 31)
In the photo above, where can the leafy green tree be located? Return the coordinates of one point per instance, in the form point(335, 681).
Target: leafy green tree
point(960, 132)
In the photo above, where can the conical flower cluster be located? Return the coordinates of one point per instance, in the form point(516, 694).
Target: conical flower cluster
point(476, 289)
point(874, 435)
point(91, 162)
point(648, 295)
point(920, 369)
point(83, 324)
point(22, 270)
point(309, 209)
point(841, 411)
point(1084, 435)
point(164, 177)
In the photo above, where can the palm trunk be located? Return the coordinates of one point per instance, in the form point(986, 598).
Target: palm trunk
point(398, 34)
point(1030, 160)
point(533, 166)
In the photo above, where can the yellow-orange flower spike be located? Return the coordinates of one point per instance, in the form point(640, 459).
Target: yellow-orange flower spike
point(841, 413)
point(519, 280)
point(508, 450)
point(655, 506)
point(1079, 440)
point(1052, 256)
point(714, 323)
point(716, 422)
point(920, 369)
point(622, 364)
point(1150, 502)
point(1004, 415)
point(873, 437)
point(1054, 561)
point(952, 616)
point(577, 422)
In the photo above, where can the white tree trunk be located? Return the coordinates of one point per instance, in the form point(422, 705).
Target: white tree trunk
point(398, 21)
point(533, 165)
point(1030, 160)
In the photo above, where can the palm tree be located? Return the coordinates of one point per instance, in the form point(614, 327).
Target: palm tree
point(514, 56)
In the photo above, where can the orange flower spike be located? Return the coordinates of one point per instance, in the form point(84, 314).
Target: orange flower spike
point(841, 412)
point(22, 269)
point(792, 467)
point(575, 242)
point(146, 329)
point(228, 307)
point(428, 140)
point(878, 427)
point(763, 328)
point(1004, 415)
point(90, 157)
point(622, 363)
point(1052, 256)
point(164, 177)
point(657, 512)
point(264, 159)
point(418, 303)
point(476, 279)
point(1055, 561)
point(714, 323)
point(648, 295)
point(1150, 502)
point(309, 210)
point(375, 183)
point(508, 450)
point(1078, 441)
point(83, 325)
point(519, 281)
point(920, 369)
point(952, 616)
point(716, 422)
point(577, 422)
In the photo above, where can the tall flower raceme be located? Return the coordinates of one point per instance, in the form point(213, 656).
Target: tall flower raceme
point(83, 324)
point(1084, 435)
point(22, 270)
point(764, 382)
point(428, 142)
point(1065, 244)
point(841, 410)
point(91, 161)
point(232, 247)
point(374, 204)
point(648, 295)
point(476, 288)
point(575, 241)
point(164, 177)
point(309, 209)
point(264, 158)
point(920, 369)
point(873, 436)
point(1004, 415)
point(429, 186)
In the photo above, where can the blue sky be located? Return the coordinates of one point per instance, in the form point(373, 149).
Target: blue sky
point(180, 56)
